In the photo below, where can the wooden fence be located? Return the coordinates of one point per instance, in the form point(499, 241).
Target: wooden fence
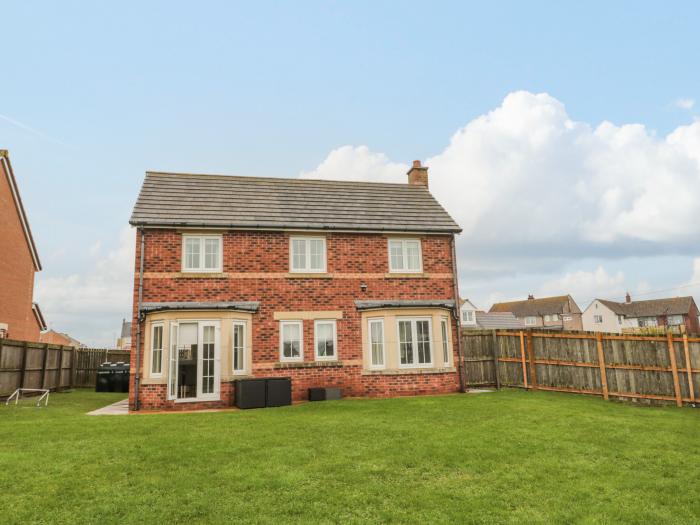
point(655, 368)
point(40, 365)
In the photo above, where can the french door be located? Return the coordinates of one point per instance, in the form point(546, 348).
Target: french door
point(195, 360)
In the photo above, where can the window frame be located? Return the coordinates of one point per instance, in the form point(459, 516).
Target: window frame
point(202, 253)
point(445, 334)
point(155, 325)
point(307, 253)
point(282, 324)
point(675, 317)
point(380, 321)
point(242, 370)
point(597, 319)
point(404, 256)
point(414, 341)
point(531, 317)
point(333, 323)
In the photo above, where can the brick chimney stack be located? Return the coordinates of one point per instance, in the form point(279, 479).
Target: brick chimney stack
point(628, 298)
point(530, 297)
point(418, 174)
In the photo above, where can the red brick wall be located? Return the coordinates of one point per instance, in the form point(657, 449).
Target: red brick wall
point(16, 270)
point(268, 253)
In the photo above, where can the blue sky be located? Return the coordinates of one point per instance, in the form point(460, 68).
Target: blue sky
point(94, 95)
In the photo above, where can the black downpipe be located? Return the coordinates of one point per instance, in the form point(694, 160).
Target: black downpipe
point(137, 374)
point(462, 365)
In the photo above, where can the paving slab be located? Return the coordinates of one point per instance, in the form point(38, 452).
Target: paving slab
point(120, 408)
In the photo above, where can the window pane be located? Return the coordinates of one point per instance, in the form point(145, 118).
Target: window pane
point(291, 345)
point(396, 255)
point(211, 253)
point(412, 255)
point(445, 342)
point(157, 350)
point(298, 254)
point(405, 342)
point(208, 360)
point(423, 341)
point(192, 253)
point(238, 347)
point(324, 340)
point(316, 254)
point(376, 329)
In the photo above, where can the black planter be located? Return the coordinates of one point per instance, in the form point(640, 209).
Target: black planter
point(279, 391)
point(324, 394)
point(250, 393)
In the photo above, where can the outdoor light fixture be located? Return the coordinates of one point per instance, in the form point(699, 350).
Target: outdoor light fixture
point(363, 287)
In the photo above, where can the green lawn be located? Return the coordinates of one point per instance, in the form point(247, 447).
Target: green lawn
point(506, 457)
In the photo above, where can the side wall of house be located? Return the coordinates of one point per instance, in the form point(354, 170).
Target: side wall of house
point(256, 268)
point(16, 270)
point(609, 324)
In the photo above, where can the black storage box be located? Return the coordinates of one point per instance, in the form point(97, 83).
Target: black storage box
point(324, 394)
point(112, 377)
point(279, 391)
point(250, 393)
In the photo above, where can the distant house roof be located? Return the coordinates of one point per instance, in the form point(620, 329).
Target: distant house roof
point(652, 307)
point(193, 200)
point(59, 338)
point(7, 169)
point(534, 307)
point(39, 316)
point(497, 320)
point(126, 329)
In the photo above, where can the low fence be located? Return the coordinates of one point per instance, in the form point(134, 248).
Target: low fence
point(40, 365)
point(658, 368)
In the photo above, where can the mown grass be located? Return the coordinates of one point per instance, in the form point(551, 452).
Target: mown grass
point(506, 457)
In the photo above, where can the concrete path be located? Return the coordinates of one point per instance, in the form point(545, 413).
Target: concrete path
point(120, 408)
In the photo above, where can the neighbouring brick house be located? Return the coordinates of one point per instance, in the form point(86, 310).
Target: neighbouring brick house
point(551, 313)
point(678, 314)
point(334, 284)
point(20, 317)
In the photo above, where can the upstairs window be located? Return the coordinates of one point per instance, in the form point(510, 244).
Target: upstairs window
point(598, 319)
point(405, 256)
point(307, 254)
point(467, 316)
point(531, 321)
point(201, 253)
point(675, 320)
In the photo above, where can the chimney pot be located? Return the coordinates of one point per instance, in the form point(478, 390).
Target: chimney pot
point(418, 174)
point(628, 298)
point(530, 297)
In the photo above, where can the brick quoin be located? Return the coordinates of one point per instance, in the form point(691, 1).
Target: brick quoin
point(262, 252)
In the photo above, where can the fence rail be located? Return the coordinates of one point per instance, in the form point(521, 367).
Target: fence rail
point(41, 365)
point(657, 368)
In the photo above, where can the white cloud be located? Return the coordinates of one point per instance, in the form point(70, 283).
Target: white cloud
point(685, 103)
point(357, 163)
point(90, 306)
point(585, 285)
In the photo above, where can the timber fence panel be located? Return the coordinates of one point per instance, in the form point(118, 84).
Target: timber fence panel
point(39, 365)
point(663, 368)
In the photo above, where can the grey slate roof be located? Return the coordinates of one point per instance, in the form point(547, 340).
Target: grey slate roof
point(410, 303)
point(651, 307)
point(241, 306)
point(497, 320)
point(174, 199)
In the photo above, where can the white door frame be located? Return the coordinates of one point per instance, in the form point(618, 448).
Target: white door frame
point(173, 360)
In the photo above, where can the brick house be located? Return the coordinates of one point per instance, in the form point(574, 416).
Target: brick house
point(333, 284)
point(20, 317)
point(550, 313)
point(677, 314)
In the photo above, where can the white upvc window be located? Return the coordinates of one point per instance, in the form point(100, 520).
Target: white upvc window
point(405, 256)
point(376, 343)
point(307, 254)
point(325, 340)
point(674, 320)
point(291, 340)
point(238, 337)
point(414, 342)
point(531, 320)
point(554, 317)
point(157, 350)
point(546, 318)
point(444, 328)
point(467, 316)
point(598, 319)
point(202, 253)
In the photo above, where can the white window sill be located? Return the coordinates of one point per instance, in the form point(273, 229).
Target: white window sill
point(197, 399)
point(408, 371)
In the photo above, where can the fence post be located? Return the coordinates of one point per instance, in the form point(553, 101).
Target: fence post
point(59, 374)
point(494, 338)
point(73, 366)
point(601, 364)
point(531, 353)
point(688, 368)
point(43, 366)
point(522, 357)
point(23, 376)
point(674, 369)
